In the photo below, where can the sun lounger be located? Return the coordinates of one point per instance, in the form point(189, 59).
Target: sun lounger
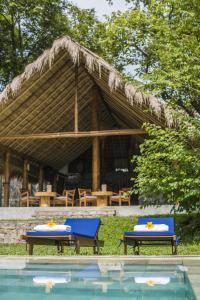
point(84, 233)
point(138, 238)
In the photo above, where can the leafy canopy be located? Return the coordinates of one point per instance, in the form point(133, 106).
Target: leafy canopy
point(27, 28)
point(160, 38)
point(169, 166)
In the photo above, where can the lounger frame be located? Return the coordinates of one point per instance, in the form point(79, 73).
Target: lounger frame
point(61, 241)
point(137, 241)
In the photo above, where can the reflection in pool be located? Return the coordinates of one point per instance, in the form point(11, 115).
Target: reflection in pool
point(96, 280)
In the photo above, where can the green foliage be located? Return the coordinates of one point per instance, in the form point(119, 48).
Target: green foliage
point(161, 39)
point(112, 230)
point(169, 166)
point(27, 28)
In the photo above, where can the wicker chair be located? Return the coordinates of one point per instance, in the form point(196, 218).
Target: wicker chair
point(121, 197)
point(27, 200)
point(86, 198)
point(66, 199)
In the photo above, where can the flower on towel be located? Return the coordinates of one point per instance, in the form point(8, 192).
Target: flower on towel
point(150, 282)
point(50, 284)
point(51, 223)
point(149, 225)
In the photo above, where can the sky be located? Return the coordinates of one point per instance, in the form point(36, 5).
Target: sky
point(101, 6)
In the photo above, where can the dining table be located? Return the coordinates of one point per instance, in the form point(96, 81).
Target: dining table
point(45, 198)
point(103, 197)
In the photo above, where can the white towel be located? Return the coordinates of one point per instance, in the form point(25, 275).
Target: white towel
point(156, 227)
point(53, 228)
point(152, 280)
point(50, 280)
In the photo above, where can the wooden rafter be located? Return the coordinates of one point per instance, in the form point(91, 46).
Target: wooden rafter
point(72, 134)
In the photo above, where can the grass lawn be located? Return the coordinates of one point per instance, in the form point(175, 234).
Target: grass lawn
point(111, 231)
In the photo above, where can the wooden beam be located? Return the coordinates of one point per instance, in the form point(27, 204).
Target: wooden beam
point(72, 134)
point(25, 175)
point(7, 178)
point(95, 144)
point(76, 100)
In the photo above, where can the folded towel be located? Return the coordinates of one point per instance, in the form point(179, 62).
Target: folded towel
point(50, 280)
point(53, 228)
point(151, 281)
point(155, 227)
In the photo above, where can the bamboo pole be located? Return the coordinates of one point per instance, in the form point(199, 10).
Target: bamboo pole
point(76, 100)
point(74, 135)
point(25, 175)
point(95, 145)
point(7, 178)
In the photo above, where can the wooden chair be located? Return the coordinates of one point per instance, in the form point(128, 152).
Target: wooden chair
point(85, 197)
point(122, 197)
point(66, 199)
point(27, 200)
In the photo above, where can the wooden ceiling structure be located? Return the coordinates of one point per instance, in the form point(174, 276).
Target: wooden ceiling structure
point(65, 101)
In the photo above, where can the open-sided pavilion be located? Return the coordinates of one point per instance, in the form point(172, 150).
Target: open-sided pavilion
point(70, 112)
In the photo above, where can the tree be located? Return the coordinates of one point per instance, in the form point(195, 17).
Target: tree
point(27, 28)
point(161, 39)
point(169, 166)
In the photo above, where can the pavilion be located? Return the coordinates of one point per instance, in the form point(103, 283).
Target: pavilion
point(71, 119)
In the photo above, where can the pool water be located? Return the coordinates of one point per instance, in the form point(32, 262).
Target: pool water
point(105, 280)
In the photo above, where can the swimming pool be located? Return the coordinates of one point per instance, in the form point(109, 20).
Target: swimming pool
point(95, 279)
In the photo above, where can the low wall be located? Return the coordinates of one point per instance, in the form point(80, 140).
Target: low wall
point(11, 231)
point(15, 221)
point(24, 213)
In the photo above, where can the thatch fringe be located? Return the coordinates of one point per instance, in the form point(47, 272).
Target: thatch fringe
point(92, 62)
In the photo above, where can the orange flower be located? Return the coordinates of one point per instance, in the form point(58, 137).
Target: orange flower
point(149, 225)
point(51, 223)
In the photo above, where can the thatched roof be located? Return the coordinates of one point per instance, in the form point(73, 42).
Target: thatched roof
point(42, 98)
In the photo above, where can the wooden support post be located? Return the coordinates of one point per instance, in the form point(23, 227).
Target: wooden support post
point(76, 100)
point(95, 146)
point(25, 175)
point(41, 178)
point(7, 178)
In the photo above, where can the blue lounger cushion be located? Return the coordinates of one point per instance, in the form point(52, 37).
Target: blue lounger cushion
point(165, 220)
point(152, 233)
point(87, 227)
point(48, 233)
point(79, 226)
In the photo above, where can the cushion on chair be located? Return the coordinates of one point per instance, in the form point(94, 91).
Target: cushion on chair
point(89, 198)
point(118, 197)
point(60, 198)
